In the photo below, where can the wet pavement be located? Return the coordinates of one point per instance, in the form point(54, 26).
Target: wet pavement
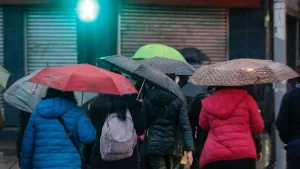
point(8, 160)
point(266, 151)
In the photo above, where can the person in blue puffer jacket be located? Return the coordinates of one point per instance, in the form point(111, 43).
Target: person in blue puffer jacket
point(46, 144)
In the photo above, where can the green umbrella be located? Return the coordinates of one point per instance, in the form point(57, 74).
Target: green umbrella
point(159, 50)
point(4, 75)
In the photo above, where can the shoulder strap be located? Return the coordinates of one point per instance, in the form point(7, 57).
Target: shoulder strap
point(72, 139)
point(69, 133)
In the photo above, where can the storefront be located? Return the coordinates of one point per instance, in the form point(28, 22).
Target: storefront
point(50, 38)
point(178, 27)
point(1, 55)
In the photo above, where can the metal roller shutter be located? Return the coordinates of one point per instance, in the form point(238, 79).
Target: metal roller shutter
point(51, 38)
point(1, 55)
point(203, 28)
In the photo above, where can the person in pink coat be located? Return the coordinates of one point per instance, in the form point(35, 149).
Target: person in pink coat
point(231, 116)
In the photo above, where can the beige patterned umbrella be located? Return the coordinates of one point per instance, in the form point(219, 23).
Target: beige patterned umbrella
point(241, 72)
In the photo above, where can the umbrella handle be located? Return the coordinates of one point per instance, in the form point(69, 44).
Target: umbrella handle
point(141, 89)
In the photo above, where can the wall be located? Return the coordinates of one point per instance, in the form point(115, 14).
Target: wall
point(200, 3)
point(293, 8)
point(247, 33)
point(13, 60)
point(99, 38)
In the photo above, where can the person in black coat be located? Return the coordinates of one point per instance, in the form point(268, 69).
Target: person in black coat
point(199, 135)
point(98, 111)
point(21, 127)
point(165, 113)
point(288, 125)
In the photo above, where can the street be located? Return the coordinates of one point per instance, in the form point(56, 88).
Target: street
point(8, 160)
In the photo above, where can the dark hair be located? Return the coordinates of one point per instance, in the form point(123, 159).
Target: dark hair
point(172, 76)
point(138, 87)
point(54, 93)
point(183, 80)
point(108, 104)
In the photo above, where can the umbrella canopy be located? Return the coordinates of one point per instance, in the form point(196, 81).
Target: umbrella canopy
point(4, 75)
point(25, 95)
point(241, 72)
point(141, 71)
point(159, 50)
point(192, 90)
point(84, 78)
point(169, 66)
point(194, 55)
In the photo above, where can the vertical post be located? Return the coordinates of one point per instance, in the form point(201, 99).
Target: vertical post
point(279, 19)
point(268, 31)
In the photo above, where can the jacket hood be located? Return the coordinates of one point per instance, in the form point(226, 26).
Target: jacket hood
point(223, 102)
point(53, 108)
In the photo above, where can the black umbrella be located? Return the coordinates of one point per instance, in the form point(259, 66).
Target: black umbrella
point(169, 66)
point(140, 71)
point(194, 55)
point(192, 90)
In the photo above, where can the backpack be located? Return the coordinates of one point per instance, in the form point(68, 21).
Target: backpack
point(118, 138)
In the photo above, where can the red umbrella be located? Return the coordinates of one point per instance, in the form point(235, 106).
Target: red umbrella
point(84, 78)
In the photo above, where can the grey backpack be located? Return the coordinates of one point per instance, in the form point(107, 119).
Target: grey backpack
point(118, 138)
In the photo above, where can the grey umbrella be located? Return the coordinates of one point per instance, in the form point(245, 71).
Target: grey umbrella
point(140, 71)
point(169, 66)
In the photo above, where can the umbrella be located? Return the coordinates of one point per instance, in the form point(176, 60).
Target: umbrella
point(194, 55)
point(4, 75)
point(192, 90)
point(159, 50)
point(241, 72)
point(26, 95)
point(84, 78)
point(141, 71)
point(169, 66)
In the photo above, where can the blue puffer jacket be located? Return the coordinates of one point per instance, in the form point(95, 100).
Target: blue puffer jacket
point(46, 145)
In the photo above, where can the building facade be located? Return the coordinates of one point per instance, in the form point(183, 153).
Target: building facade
point(35, 34)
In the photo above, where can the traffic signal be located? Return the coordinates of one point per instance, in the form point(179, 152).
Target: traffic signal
point(88, 10)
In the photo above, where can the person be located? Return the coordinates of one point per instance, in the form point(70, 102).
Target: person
point(231, 116)
point(104, 105)
point(264, 96)
point(288, 124)
point(198, 133)
point(165, 113)
point(23, 122)
point(46, 144)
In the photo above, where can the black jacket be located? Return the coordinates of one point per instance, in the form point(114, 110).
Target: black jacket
point(288, 120)
point(22, 124)
point(91, 151)
point(166, 113)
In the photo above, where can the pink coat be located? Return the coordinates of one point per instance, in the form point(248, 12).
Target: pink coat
point(230, 116)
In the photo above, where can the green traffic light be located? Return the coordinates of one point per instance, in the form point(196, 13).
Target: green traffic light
point(88, 10)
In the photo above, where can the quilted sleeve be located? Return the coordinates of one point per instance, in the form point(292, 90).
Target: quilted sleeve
point(203, 120)
point(85, 130)
point(256, 121)
point(185, 127)
point(27, 149)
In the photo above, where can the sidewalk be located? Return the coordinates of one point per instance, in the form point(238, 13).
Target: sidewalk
point(8, 159)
